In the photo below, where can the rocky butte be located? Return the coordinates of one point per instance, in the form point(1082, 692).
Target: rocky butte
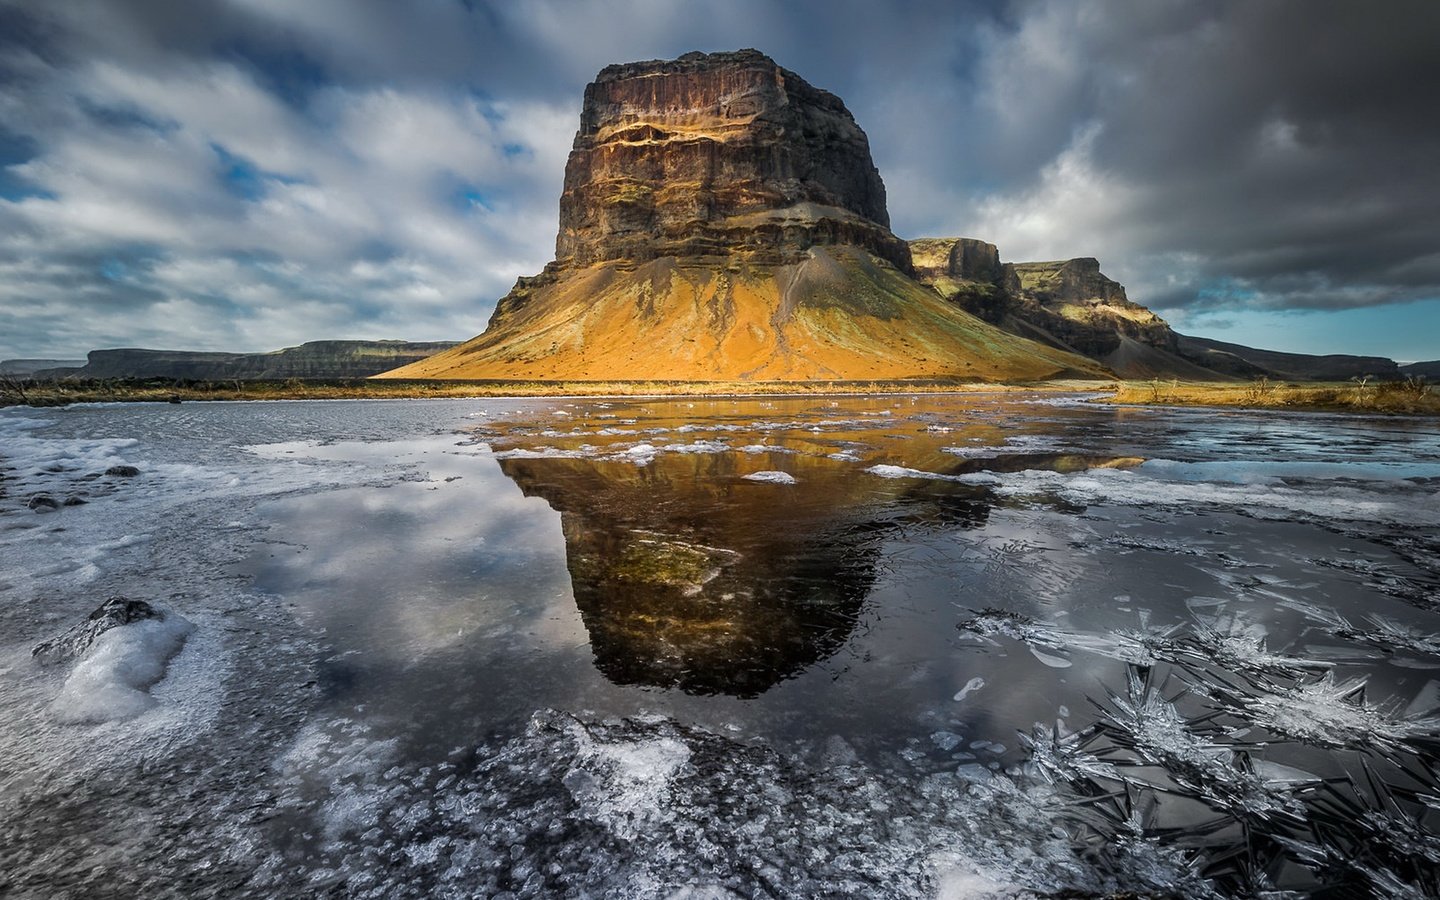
point(722, 220)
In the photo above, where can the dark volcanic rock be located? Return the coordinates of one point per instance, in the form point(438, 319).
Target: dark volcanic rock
point(714, 154)
point(112, 613)
point(1069, 304)
point(122, 471)
point(42, 503)
point(975, 261)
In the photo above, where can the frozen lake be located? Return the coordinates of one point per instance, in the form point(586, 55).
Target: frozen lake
point(964, 646)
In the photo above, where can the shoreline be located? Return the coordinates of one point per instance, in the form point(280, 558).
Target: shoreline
point(1411, 396)
point(161, 390)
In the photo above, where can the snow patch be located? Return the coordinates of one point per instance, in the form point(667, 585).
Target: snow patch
point(113, 679)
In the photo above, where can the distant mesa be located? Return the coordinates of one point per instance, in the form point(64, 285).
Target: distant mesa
point(722, 220)
point(313, 360)
point(25, 367)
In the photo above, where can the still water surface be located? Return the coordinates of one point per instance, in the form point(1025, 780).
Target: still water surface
point(769, 647)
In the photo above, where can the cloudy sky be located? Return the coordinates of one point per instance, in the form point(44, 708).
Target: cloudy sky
point(251, 174)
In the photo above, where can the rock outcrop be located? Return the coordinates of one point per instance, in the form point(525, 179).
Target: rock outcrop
point(77, 639)
point(1068, 304)
point(1071, 305)
point(722, 220)
point(315, 359)
point(712, 154)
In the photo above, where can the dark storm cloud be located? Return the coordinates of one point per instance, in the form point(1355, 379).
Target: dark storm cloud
point(254, 173)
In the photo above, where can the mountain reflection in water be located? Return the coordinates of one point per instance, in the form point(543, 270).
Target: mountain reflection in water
point(689, 576)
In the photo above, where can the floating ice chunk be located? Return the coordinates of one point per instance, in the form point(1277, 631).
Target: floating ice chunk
point(946, 740)
point(541, 453)
point(845, 456)
point(771, 477)
point(889, 471)
point(976, 884)
point(623, 783)
point(640, 454)
point(1374, 501)
point(970, 687)
point(113, 679)
point(976, 452)
point(764, 448)
point(1053, 660)
point(699, 447)
point(974, 772)
point(702, 892)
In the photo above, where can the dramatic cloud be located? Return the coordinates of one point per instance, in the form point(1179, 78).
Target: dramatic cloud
point(255, 173)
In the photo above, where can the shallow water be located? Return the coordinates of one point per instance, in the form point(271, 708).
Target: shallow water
point(967, 645)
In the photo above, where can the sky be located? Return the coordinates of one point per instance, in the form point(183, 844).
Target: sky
point(251, 174)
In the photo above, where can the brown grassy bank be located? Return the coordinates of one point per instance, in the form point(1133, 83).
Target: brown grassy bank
point(1410, 396)
point(159, 390)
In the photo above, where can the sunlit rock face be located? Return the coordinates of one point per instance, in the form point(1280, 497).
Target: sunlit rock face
point(722, 220)
point(711, 154)
point(1067, 304)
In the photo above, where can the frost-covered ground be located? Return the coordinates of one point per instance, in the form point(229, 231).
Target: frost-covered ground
point(903, 647)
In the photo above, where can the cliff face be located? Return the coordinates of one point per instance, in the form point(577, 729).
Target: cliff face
point(1073, 301)
point(1068, 304)
point(722, 220)
point(316, 359)
point(1071, 305)
point(712, 155)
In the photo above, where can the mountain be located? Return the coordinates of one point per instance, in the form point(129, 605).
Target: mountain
point(1429, 369)
point(1293, 366)
point(1067, 304)
point(31, 366)
point(1071, 305)
point(722, 220)
point(315, 359)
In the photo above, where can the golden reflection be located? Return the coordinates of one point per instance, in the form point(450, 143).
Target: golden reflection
point(688, 575)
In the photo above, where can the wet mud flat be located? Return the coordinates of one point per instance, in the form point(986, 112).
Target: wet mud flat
point(998, 645)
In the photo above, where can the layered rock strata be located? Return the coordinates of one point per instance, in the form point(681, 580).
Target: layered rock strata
point(712, 155)
point(722, 220)
point(1067, 304)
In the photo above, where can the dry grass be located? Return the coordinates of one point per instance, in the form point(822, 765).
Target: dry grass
point(1410, 396)
point(1413, 396)
point(160, 390)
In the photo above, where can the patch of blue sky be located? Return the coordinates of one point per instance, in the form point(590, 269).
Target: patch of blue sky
point(1407, 332)
point(243, 179)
